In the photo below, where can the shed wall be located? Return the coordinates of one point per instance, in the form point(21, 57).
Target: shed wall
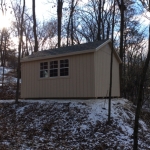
point(102, 73)
point(78, 84)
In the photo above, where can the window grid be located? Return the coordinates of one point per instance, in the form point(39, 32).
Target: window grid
point(54, 68)
point(64, 67)
point(43, 69)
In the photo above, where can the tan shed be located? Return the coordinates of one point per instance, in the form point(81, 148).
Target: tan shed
point(78, 71)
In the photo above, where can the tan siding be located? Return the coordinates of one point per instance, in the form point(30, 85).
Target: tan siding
point(78, 84)
point(102, 73)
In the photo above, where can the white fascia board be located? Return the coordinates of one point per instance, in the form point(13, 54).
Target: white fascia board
point(99, 47)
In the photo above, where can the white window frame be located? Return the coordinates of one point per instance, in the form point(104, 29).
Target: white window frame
point(63, 67)
point(54, 68)
point(45, 71)
point(59, 67)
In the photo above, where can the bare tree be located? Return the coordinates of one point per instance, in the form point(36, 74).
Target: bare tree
point(111, 65)
point(71, 21)
point(59, 18)
point(34, 26)
point(146, 3)
point(122, 9)
point(19, 51)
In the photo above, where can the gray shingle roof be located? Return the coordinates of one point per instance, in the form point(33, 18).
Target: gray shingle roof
point(68, 49)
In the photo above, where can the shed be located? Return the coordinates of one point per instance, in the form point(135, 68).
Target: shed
point(78, 71)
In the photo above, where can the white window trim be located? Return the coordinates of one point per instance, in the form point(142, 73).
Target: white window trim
point(53, 68)
point(63, 67)
point(56, 77)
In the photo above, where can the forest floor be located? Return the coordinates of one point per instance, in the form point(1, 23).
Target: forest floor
point(69, 125)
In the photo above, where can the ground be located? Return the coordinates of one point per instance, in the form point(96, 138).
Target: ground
point(69, 125)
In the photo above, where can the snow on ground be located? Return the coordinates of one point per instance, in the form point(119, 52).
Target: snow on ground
point(69, 125)
point(9, 79)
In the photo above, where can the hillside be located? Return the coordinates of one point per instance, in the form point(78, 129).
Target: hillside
point(69, 125)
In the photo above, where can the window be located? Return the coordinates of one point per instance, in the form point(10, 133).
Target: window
point(43, 69)
point(64, 67)
point(53, 68)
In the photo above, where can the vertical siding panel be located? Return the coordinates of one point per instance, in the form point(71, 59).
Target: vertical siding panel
point(90, 77)
point(33, 80)
point(22, 79)
point(74, 80)
point(25, 79)
point(28, 81)
point(70, 74)
point(85, 71)
point(78, 78)
point(82, 74)
point(95, 74)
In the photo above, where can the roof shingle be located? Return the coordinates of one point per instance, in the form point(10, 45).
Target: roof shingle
point(65, 50)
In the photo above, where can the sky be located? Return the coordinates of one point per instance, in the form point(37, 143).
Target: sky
point(43, 8)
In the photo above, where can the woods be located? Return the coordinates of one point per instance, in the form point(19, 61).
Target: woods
point(75, 22)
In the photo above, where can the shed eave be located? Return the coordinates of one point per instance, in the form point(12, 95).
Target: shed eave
point(59, 55)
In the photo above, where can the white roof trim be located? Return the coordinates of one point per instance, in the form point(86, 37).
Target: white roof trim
point(99, 47)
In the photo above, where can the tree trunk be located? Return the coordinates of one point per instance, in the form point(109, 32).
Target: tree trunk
point(19, 51)
point(99, 22)
point(59, 17)
point(140, 97)
point(4, 59)
point(122, 8)
point(111, 66)
point(34, 26)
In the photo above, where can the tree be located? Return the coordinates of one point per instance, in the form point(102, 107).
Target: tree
point(59, 19)
point(140, 94)
point(34, 27)
point(111, 66)
point(19, 51)
point(122, 9)
point(70, 31)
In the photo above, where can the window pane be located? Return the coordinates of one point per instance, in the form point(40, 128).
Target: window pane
point(66, 65)
point(56, 66)
point(46, 73)
point(41, 74)
point(61, 65)
point(41, 66)
point(45, 67)
point(45, 63)
point(61, 61)
point(53, 72)
point(64, 72)
point(53, 64)
point(66, 61)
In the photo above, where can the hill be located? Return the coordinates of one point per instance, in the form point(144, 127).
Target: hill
point(69, 125)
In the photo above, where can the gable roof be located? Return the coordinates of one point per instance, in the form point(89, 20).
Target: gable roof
point(69, 50)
